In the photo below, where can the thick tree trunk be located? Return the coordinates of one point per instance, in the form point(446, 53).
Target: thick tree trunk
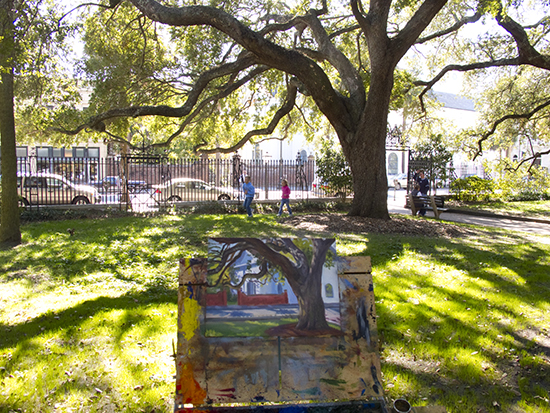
point(10, 231)
point(366, 149)
point(309, 290)
point(312, 309)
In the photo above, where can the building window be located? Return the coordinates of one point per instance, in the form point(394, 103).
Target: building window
point(21, 152)
point(93, 152)
point(393, 164)
point(329, 291)
point(44, 152)
point(58, 152)
point(79, 152)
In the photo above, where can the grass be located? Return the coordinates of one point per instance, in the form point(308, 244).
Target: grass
point(533, 209)
point(87, 321)
point(248, 328)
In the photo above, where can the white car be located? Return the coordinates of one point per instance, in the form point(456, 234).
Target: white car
point(397, 181)
point(189, 189)
point(45, 188)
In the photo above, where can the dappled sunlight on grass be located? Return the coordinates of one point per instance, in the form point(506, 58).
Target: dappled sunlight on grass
point(107, 356)
point(87, 320)
point(448, 310)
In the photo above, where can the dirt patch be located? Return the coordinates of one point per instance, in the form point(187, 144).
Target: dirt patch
point(34, 278)
point(339, 223)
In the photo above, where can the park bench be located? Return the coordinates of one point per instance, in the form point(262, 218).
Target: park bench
point(435, 203)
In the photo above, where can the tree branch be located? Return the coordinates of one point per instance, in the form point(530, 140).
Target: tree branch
point(532, 159)
point(406, 37)
point(308, 72)
point(454, 28)
point(97, 122)
point(527, 55)
point(496, 123)
point(461, 68)
point(348, 74)
point(285, 109)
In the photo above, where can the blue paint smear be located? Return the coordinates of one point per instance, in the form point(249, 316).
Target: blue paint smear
point(190, 290)
point(349, 284)
point(293, 409)
point(362, 323)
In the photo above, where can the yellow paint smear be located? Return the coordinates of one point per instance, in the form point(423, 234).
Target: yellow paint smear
point(189, 318)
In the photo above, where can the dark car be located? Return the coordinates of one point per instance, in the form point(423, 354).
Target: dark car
point(114, 184)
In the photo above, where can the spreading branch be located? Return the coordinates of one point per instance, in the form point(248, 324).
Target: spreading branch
point(527, 55)
point(530, 159)
point(452, 29)
point(503, 119)
point(284, 110)
point(260, 51)
point(97, 123)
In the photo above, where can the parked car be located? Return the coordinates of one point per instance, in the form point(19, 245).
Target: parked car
point(52, 189)
point(189, 189)
point(397, 181)
point(114, 184)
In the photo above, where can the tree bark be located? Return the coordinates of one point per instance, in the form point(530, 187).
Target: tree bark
point(10, 231)
point(366, 149)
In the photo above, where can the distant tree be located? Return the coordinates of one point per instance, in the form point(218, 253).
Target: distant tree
point(30, 33)
point(333, 170)
point(433, 150)
point(514, 113)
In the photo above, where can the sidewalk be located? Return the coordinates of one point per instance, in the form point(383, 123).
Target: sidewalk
point(396, 202)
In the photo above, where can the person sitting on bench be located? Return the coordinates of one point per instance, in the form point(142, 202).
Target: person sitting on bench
point(424, 185)
point(418, 205)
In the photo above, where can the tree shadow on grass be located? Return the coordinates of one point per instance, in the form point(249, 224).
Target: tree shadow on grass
point(70, 320)
point(111, 353)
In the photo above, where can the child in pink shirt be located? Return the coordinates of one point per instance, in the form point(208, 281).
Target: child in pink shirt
point(285, 198)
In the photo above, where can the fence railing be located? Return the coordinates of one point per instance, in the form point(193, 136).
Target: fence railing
point(158, 179)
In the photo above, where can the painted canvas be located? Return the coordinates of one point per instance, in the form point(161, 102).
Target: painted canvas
point(276, 287)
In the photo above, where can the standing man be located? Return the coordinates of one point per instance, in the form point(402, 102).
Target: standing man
point(424, 183)
point(424, 186)
point(248, 190)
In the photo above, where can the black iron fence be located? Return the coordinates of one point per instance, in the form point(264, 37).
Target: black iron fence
point(159, 179)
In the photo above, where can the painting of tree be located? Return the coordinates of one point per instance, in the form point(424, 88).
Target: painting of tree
point(298, 262)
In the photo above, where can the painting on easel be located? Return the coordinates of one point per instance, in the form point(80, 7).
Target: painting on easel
point(272, 287)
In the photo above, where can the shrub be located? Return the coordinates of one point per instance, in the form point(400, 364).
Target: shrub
point(529, 195)
point(472, 189)
point(334, 171)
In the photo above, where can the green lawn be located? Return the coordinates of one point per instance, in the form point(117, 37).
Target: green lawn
point(533, 209)
point(88, 321)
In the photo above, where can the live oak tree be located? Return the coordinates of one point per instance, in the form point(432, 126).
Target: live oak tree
point(273, 69)
point(9, 224)
point(31, 33)
point(299, 261)
point(341, 62)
